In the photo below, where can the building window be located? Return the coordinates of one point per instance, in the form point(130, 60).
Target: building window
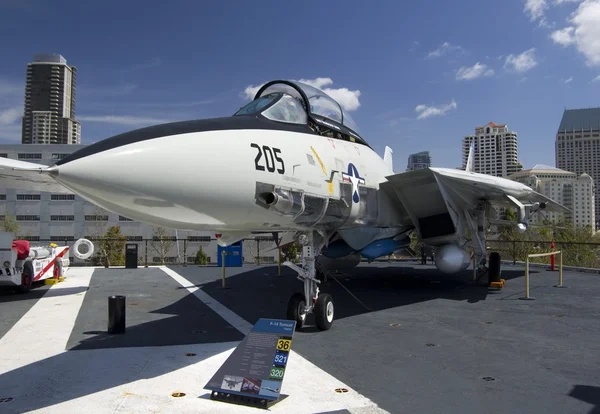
point(123, 218)
point(62, 197)
point(28, 218)
point(59, 239)
point(28, 197)
point(94, 217)
point(205, 239)
point(62, 218)
point(29, 156)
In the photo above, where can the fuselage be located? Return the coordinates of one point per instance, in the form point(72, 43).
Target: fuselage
point(207, 180)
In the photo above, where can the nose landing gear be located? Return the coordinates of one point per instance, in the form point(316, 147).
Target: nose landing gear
point(301, 305)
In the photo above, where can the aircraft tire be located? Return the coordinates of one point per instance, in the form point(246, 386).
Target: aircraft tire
point(494, 267)
point(26, 278)
point(324, 312)
point(294, 309)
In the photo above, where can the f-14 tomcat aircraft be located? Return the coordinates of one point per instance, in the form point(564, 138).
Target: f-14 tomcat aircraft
point(291, 162)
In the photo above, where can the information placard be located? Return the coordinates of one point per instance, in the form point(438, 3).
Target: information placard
point(257, 365)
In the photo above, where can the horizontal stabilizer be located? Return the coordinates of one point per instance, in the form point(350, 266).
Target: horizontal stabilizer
point(28, 176)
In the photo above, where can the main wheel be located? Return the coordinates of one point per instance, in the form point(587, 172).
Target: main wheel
point(324, 312)
point(26, 278)
point(295, 310)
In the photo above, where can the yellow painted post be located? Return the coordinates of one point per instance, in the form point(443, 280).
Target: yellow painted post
point(527, 297)
point(223, 267)
point(560, 271)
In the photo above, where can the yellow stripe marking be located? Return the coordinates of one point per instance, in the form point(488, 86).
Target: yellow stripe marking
point(329, 184)
point(320, 162)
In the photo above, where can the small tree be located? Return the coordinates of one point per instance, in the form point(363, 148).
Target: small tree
point(290, 251)
point(111, 248)
point(161, 243)
point(201, 257)
point(9, 224)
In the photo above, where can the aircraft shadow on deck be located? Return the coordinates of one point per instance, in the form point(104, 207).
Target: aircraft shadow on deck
point(588, 394)
point(82, 373)
point(260, 293)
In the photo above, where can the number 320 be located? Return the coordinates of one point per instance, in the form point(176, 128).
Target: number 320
point(270, 157)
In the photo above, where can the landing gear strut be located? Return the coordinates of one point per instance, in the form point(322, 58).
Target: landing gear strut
point(301, 305)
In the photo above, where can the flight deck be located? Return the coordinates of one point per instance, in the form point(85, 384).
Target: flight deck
point(406, 339)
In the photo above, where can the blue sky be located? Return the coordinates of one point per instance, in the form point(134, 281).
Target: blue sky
point(416, 75)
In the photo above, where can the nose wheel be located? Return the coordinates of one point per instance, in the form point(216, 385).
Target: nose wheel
point(301, 305)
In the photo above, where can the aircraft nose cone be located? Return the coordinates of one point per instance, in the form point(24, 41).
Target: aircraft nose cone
point(184, 181)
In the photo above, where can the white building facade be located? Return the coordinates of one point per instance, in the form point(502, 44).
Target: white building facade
point(495, 150)
point(63, 218)
point(574, 192)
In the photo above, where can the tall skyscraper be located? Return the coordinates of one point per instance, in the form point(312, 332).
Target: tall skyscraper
point(418, 161)
point(577, 146)
point(49, 116)
point(495, 150)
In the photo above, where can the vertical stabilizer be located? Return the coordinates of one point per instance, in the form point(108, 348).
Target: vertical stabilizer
point(387, 158)
point(470, 159)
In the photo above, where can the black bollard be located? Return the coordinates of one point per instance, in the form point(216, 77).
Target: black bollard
point(116, 314)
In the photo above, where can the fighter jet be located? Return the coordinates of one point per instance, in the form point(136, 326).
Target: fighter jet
point(291, 162)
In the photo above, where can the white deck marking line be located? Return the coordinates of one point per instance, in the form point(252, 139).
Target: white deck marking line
point(310, 388)
point(45, 329)
point(232, 318)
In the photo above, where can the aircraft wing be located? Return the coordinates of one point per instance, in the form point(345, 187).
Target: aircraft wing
point(29, 176)
point(432, 195)
point(468, 188)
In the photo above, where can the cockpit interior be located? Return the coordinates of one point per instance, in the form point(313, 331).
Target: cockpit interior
point(298, 103)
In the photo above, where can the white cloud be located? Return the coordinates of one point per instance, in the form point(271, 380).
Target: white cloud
point(535, 9)
point(444, 49)
point(425, 111)
point(476, 71)
point(596, 79)
point(123, 120)
point(569, 80)
point(10, 115)
point(583, 32)
point(522, 62)
point(347, 98)
point(563, 37)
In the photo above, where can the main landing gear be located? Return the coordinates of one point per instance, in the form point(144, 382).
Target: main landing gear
point(301, 305)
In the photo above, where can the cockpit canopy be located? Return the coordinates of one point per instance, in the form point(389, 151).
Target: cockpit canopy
point(287, 101)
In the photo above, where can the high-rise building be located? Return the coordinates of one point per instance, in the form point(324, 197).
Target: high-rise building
point(564, 187)
point(495, 150)
point(419, 161)
point(577, 145)
point(49, 116)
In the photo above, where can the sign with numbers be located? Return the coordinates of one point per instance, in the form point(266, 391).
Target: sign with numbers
point(257, 366)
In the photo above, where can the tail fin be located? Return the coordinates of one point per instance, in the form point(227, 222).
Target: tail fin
point(387, 158)
point(470, 160)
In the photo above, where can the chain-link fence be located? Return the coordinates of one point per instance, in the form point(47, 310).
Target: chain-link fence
point(577, 254)
point(166, 250)
point(263, 250)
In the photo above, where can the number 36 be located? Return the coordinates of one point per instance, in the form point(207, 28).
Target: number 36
point(271, 156)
